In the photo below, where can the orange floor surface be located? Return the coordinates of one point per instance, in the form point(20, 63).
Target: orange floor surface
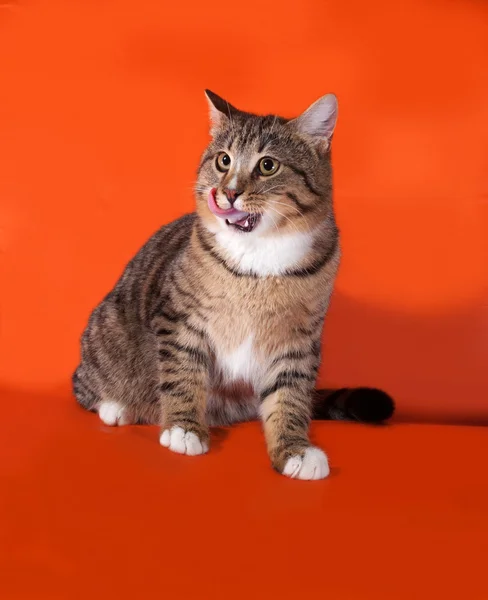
point(102, 123)
point(91, 511)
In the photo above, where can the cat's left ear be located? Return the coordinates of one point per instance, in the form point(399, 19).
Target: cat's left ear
point(319, 120)
point(220, 111)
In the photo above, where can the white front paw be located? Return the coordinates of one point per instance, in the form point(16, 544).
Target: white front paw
point(312, 465)
point(183, 442)
point(112, 413)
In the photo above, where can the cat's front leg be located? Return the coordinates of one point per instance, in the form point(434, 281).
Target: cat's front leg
point(183, 376)
point(285, 410)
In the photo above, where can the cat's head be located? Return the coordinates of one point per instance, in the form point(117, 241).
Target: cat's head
point(261, 175)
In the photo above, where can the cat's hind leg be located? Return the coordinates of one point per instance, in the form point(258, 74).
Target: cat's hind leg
point(84, 393)
point(109, 411)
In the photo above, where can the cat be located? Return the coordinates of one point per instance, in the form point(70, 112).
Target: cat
point(218, 318)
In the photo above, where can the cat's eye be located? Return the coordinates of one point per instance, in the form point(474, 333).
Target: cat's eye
point(223, 162)
point(268, 166)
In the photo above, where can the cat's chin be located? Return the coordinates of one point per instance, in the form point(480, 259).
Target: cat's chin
point(245, 225)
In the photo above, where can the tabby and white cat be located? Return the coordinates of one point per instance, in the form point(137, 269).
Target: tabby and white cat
point(218, 318)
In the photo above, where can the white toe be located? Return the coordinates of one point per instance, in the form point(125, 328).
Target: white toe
point(292, 466)
point(313, 465)
point(177, 441)
point(165, 438)
point(193, 444)
point(111, 413)
point(183, 442)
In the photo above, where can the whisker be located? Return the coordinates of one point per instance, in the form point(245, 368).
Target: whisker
point(197, 188)
point(274, 222)
point(263, 191)
point(230, 119)
point(268, 137)
point(288, 206)
point(274, 123)
point(285, 217)
point(271, 130)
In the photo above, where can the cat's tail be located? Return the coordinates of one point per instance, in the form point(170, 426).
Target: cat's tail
point(367, 405)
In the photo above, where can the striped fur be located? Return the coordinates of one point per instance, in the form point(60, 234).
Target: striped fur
point(210, 324)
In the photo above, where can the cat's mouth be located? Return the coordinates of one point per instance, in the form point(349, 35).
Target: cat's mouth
point(247, 224)
point(237, 219)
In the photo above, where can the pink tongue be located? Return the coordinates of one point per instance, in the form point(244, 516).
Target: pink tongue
point(242, 222)
point(225, 213)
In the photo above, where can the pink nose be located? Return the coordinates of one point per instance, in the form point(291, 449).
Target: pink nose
point(231, 195)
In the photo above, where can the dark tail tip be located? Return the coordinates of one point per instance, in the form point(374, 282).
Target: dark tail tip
point(367, 405)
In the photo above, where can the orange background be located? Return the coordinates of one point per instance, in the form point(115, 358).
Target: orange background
point(102, 121)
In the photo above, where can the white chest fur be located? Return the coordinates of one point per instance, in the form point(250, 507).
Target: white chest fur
point(241, 363)
point(264, 254)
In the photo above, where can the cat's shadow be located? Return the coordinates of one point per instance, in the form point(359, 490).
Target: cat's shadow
point(218, 435)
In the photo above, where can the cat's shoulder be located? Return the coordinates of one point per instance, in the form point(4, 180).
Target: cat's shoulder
point(182, 225)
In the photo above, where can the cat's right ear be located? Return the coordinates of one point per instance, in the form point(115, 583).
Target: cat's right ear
point(319, 120)
point(220, 111)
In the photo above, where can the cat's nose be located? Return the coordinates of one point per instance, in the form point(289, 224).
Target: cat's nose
point(231, 195)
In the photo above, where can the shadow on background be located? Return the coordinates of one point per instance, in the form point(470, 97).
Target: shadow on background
point(431, 364)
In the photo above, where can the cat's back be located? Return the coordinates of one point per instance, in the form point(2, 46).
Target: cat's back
point(144, 276)
point(129, 304)
point(163, 247)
